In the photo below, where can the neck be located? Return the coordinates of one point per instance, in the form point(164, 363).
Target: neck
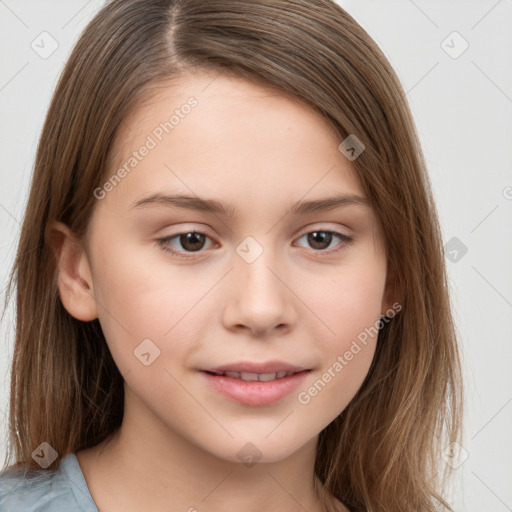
point(147, 466)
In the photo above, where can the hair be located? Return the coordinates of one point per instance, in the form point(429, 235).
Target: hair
point(383, 452)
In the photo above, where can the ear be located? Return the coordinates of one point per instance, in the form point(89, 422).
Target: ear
point(392, 294)
point(74, 275)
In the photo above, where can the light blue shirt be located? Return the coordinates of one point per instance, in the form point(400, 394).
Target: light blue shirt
point(60, 490)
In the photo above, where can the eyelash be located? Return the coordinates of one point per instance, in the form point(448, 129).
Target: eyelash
point(163, 242)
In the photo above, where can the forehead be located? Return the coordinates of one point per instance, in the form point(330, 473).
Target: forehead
point(221, 103)
point(217, 135)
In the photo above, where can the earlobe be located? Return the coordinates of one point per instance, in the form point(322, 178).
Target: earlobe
point(74, 277)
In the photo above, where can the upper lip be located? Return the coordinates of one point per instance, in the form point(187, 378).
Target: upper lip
point(251, 367)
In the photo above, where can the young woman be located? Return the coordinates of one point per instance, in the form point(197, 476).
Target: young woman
point(230, 284)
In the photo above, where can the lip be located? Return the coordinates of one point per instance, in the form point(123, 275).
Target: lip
point(255, 392)
point(251, 367)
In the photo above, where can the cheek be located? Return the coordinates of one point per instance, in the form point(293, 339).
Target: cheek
point(141, 301)
point(346, 360)
point(332, 388)
point(350, 307)
point(350, 300)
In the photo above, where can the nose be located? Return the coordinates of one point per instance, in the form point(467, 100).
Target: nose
point(260, 300)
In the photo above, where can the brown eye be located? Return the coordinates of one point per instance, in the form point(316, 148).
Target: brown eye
point(321, 240)
point(192, 241)
point(183, 243)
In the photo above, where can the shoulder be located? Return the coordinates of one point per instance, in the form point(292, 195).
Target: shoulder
point(25, 492)
point(45, 491)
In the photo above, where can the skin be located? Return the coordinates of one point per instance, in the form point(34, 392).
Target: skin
point(259, 151)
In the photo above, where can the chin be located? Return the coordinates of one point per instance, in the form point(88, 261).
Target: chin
point(251, 449)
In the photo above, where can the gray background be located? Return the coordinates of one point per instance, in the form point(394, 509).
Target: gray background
point(462, 104)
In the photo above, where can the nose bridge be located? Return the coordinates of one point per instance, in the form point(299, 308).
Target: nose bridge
point(253, 267)
point(260, 300)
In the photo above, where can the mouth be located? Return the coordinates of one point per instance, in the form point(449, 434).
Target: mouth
point(255, 384)
point(251, 371)
point(250, 376)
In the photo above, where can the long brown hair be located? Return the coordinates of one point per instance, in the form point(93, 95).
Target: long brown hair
point(383, 452)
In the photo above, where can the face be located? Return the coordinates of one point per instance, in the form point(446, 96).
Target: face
point(249, 275)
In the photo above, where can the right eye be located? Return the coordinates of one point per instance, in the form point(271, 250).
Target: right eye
point(190, 241)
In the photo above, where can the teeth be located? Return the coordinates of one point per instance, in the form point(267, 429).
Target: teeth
point(263, 377)
point(267, 376)
point(249, 376)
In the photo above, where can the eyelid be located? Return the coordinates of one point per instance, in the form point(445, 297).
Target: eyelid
point(319, 226)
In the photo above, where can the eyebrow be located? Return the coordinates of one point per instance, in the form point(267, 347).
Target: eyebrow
point(220, 208)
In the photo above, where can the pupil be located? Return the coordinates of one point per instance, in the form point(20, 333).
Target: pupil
point(192, 241)
point(317, 238)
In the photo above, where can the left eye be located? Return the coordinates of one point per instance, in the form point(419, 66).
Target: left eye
point(321, 240)
point(194, 241)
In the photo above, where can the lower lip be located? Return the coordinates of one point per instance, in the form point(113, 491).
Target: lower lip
point(255, 392)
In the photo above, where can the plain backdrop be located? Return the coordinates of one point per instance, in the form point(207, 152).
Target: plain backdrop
point(454, 60)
